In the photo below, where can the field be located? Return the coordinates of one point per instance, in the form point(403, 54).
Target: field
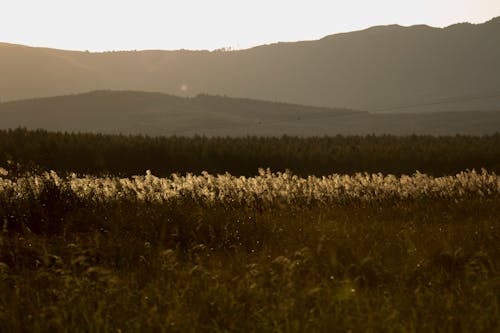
point(306, 250)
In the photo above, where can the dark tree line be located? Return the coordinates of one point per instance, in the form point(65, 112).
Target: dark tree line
point(98, 154)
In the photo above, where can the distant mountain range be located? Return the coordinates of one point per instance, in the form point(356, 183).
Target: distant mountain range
point(380, 69)
point(130, 112)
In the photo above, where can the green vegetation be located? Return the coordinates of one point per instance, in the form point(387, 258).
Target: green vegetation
point(409, 254)
point(257, 251)
point(132, 155)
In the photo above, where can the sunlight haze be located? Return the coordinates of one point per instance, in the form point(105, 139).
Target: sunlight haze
point(152, 24)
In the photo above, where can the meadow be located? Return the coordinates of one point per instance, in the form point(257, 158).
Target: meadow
point(264, 252)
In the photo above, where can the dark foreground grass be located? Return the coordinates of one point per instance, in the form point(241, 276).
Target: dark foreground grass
point(408, 266)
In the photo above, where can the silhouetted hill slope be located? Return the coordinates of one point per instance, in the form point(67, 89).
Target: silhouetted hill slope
point(386, 68)
point(132, 112)
point(152, 113)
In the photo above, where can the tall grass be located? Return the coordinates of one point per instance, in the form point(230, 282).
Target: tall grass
point(273, 253)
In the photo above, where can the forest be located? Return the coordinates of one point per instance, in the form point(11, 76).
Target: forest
point(98, 154)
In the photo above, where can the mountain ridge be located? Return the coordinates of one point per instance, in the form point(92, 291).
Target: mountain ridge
point(371, 69)
point(494, 20)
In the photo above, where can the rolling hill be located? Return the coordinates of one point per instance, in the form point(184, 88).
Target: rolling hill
point(131, 112)
point(380, 69)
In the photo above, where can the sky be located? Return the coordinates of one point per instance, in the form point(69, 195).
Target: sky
point(106, 25)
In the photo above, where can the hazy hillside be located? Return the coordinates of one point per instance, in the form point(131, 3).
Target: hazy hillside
point(132, 112)
point(387, 68)
point(156, 113)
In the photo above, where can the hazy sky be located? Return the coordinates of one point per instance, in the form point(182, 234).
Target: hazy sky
point(209, 24)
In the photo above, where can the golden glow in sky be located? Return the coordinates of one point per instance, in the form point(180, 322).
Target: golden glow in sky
point(100, 25)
